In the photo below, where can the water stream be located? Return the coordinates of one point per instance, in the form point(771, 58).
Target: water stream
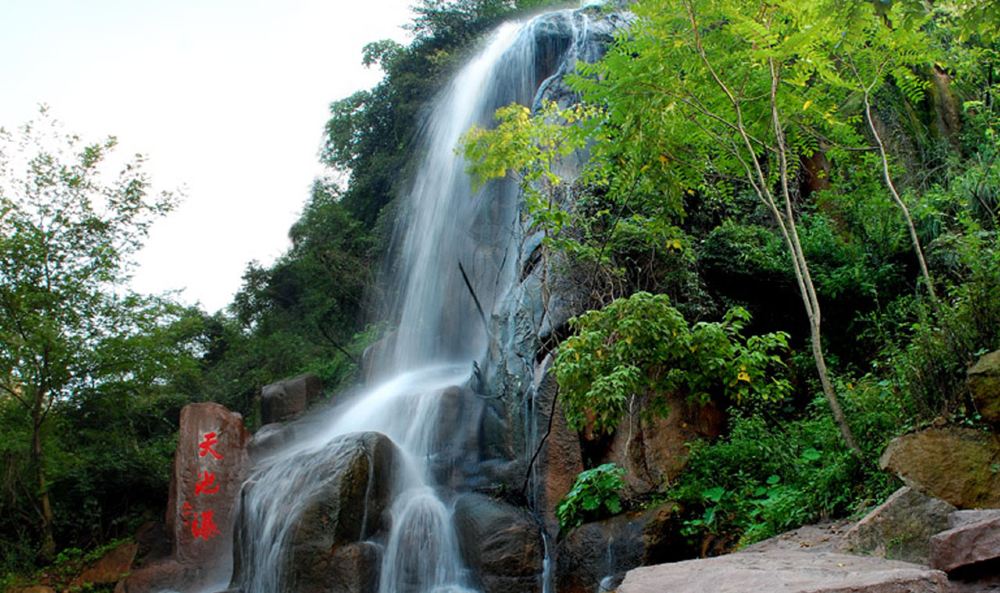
point(450, 245)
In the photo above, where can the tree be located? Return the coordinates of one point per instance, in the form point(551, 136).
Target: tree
point(731, 93)
point(69, 229)
point(883, 50)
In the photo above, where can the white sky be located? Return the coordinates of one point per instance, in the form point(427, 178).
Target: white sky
point(228, 98)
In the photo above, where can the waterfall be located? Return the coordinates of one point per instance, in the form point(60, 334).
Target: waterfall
point(457, 255)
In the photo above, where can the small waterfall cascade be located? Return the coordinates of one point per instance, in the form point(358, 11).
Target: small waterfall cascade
point(456, 255)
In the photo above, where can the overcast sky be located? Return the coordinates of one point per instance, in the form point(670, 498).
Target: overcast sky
point(226, 97)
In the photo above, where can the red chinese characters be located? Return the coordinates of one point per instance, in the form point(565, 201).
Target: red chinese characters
point(202, 523)
point(206, 446)
point(206, 485)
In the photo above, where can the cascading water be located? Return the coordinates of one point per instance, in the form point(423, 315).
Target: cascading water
point(457, 255)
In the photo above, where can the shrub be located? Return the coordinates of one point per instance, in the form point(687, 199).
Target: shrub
point(767, 477)
point(642, 346)
point(595, 494)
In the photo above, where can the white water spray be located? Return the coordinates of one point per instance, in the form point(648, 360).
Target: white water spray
point(454, 249)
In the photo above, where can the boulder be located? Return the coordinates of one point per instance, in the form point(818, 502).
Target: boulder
point(210, 464)
point(950, 463)
point(984, 386)
point(966, 545)
point(456, 441)
point(788, 572)
point(595, 556)
point(348, 568)
point(960, 518)
point(344, 490)
point(502, 544)
point(288, 399)
point(269, 439)
point(109, 568)
point(901, 527)
point(654, 451)
point(168, 575)
point(827, 536)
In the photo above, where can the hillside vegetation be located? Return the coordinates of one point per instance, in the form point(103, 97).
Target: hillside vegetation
point(790, 210)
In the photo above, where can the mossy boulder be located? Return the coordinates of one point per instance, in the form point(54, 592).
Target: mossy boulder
point(984, 385)
point(958, 465)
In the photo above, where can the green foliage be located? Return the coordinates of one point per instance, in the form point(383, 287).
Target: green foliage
point(530, 146)
point(596, 493)
point(930, 359)
point(642, 347)
point(90, 373)
point(371, 135)
point(766, 477)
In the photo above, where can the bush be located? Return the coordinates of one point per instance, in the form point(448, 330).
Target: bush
point(595, 494)
point(642, 346)
point(767, 477)
point(928, 350)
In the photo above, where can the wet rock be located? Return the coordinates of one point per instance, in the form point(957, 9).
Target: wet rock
point(595, 556)
point(901, 527)
point(109, 568)
point(288, 399)
point(966, 545)
point(455, 444)
point(348, 568)
point(788, 572)
point(501, 544)
point(949, 463)
point(347, 489)
point(984, 385)
point(655, 451)
point(270, 438)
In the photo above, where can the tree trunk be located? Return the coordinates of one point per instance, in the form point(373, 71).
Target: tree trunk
point(48, 545)
point(891, 186)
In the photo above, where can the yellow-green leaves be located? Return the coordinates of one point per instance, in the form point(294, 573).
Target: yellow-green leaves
point(641, 348)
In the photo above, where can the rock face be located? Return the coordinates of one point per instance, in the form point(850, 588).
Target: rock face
point(655, 451)
point(901, 527)
point(287, 399)
point(967, 545)
point(502, 544)
point(351, 482)
point(788, 572)
point(984, 385)
point(559, 459)
point(595, 556)
point(951, 463)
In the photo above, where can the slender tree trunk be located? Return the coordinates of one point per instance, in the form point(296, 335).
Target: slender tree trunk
point(48, 549)
point(887, 176)
point(785, 220)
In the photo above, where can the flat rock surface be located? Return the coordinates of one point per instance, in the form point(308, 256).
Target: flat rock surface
point(822, 537)
point(966, 545)
point(786, 571)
